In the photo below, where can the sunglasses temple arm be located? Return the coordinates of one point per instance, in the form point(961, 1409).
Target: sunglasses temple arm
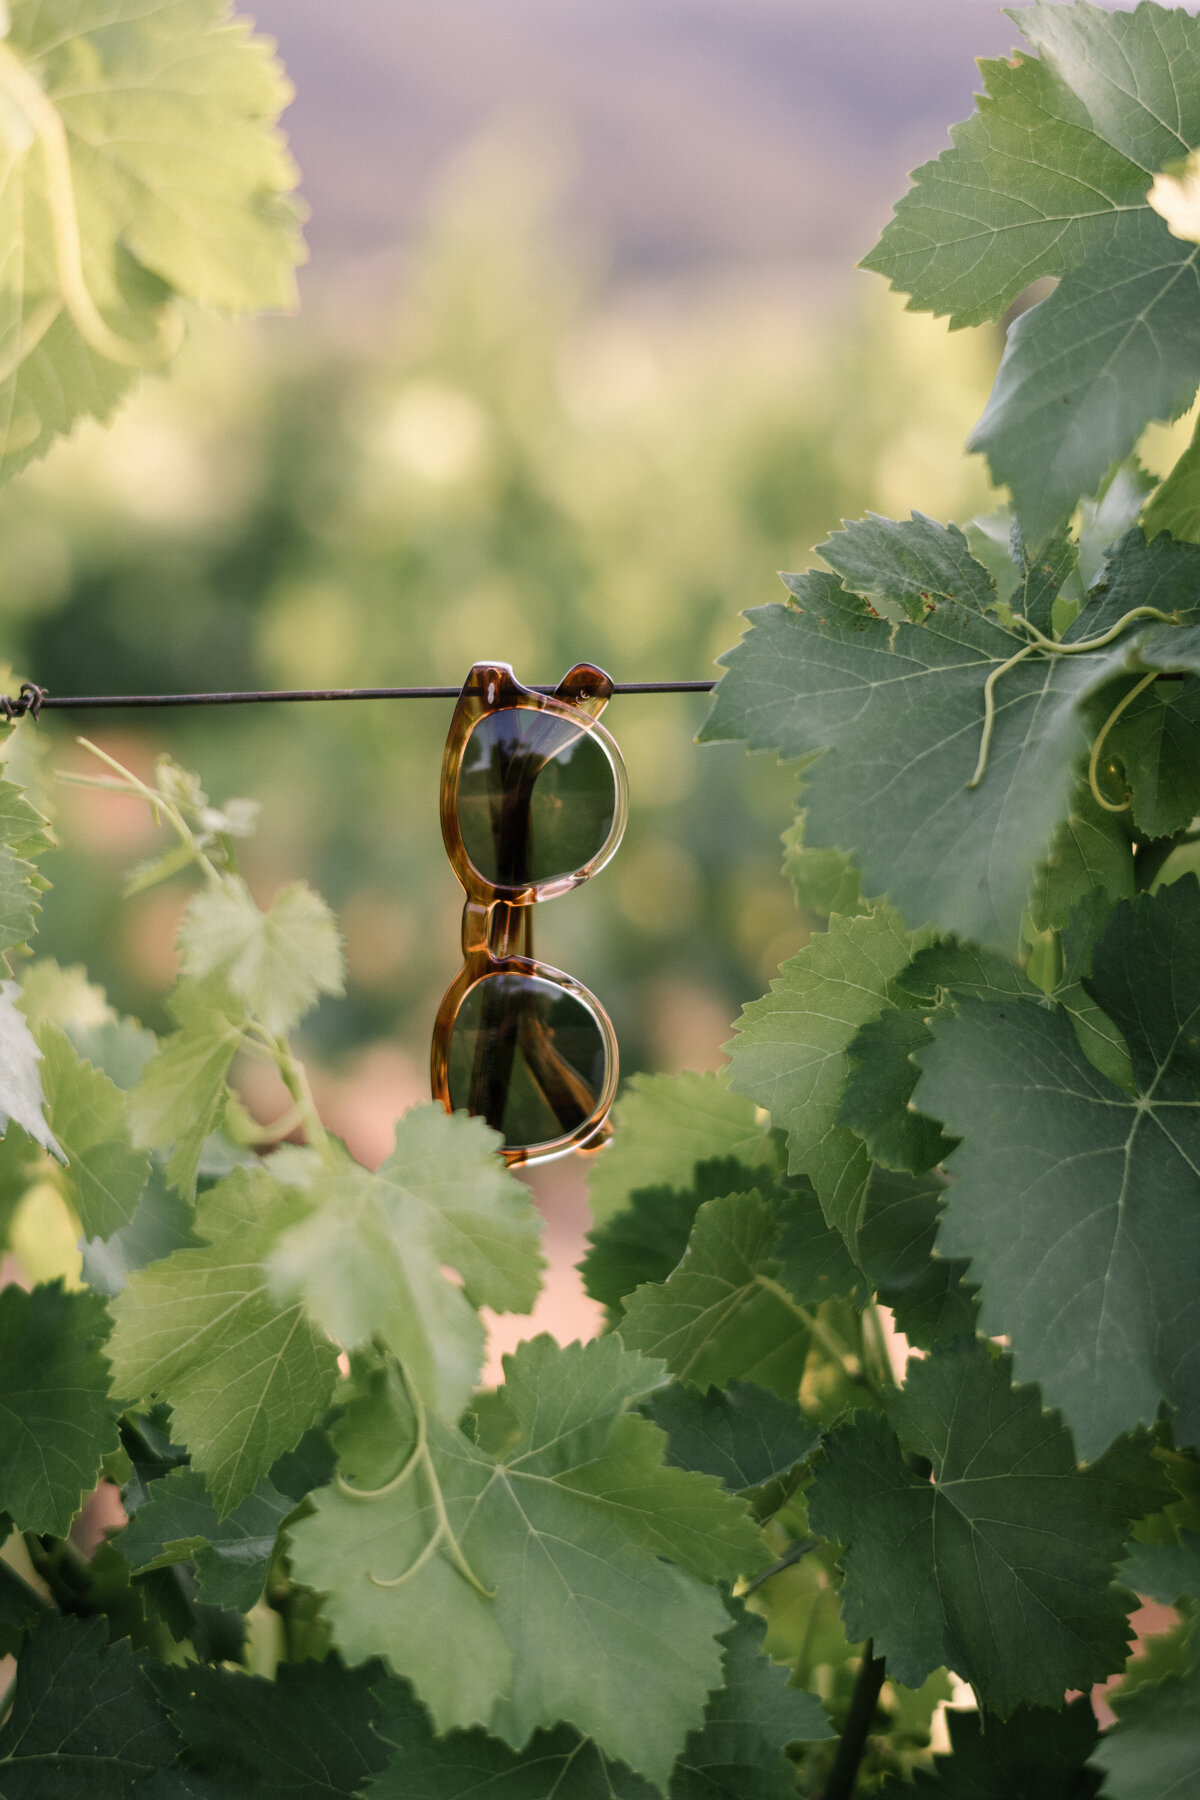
point(565, 1093)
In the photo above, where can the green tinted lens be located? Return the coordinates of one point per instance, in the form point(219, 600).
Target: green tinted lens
point(529, 1057)
point(536, 797)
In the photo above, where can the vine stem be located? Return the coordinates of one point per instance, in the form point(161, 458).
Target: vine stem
point(844, 1774)
point(850, 1363)
point(29, 98)
point(158, 802)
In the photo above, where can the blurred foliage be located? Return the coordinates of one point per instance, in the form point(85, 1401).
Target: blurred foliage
point(513, 464)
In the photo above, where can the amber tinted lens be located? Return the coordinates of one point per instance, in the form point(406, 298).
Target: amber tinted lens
point(529, 1057)
point(536, 797)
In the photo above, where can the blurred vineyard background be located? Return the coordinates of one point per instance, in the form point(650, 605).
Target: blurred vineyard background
point(548, 399)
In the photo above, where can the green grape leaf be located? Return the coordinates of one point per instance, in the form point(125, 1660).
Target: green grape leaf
point(1156, 740)
point(879, 1086)
point(1164, 1572)
point(754, 1441)
point(105, 1176)
point(907, 565)
point(244, 1372)
point(85, 1724)
point(1041, 578)
point(178, 1522)
point(725, 1313)
point(665, 1123)
point(1051, 177)
point(736, 1754)
point(309, 1733)
point(181, 1093)
point(276, 963)
point(1150, 1752)
point(645, 1242)
point(1080, 1228)
point(824, 881)
point(21, 1606)
point(1036, 1754)
point(899, 712)
point(22, 827)
point(571, 1612)
point(162, 1223)
point(366, 1262)
point(999, 1565)
point(896, 1249)
point(1175, 504)
point(1091, 849)
point(56, 1420)
point(140, 162)
point(22, 1097)
point(18, 904)
point(791, 1050)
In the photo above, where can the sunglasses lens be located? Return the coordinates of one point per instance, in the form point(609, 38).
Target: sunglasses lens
point(537, 797)
point(529, 1057)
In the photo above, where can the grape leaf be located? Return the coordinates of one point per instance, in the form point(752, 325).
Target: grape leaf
point(22, 1099)
point(161, 1223)
point(1037, 1754)
point(896, 1249)
point(308, 1734)
point(177, 1522)
point(1050, 177)
point(791, 1050)
point(244, 1372)
point(586, 1622)
point(1164, 1572)
point(21, 1606)
point(179, 1098)
point(1150, 1752)
point(645, 1242)
point(725, 1313)
point(1091, 849)
point(85, 1724)
point(824, 881)
point(899, 711)
point(1157, 743)
point(18, 907)
point(276, 963)
point(735, 1755)
point(105, 1175)
point(665, 1123)
point(1175, 504)
point(56, 1420)
point(22, 827)
point(751, 1439)
point(877, 1091)
point(140, 162)
point(998, 1566)
point(366, 1262)
point(1081, 1228)
point(905, 565)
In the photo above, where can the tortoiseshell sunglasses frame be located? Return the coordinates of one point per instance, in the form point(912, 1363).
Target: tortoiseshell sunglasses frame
point(497, 935)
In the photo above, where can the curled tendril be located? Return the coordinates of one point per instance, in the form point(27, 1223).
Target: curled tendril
point(1128, 699)
point(1050, 647)
point(443, 1532)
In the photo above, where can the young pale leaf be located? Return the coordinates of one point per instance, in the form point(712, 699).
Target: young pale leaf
point(161, 1224)
point(56, 1420)
point(140, 162)
point(276, 963)
point(178, 1522)
point(22, 1099)
point(737, 1754)
point(999, 1566)
point(907, 565)
point(665, 1123)
point(899, 711)
point(309, 1733)
point(725, 1314)
point(1051, 177)
point(1151, 1750)
point(1081, 1228)
point(751, 1439)
point(791, 1050)
point(105, 1176)
point(182, 1090)
point(366, 1262)
point(588, 1559)
point(85, 1724)
point(244, 1372)
point(1037, 1754)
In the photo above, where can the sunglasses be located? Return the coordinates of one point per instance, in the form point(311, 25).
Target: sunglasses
point(533, 802)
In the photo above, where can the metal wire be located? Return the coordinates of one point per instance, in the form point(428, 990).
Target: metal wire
point(34, 700)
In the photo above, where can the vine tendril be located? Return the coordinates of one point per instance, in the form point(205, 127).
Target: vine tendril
point(1051, 647)
point(1097, 748)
